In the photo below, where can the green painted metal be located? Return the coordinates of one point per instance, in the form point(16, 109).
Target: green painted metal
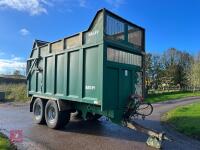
point(96, 69)
point(73, 77)
point(59, 70)
point(91, 72)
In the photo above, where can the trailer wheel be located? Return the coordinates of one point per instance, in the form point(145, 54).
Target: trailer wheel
point(55, 119)
point(97, 116)
point(77, 115)
point(38, 111)
point(92, 117)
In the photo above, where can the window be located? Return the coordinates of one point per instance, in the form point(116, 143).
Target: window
point(114, 28)
point(123, 57)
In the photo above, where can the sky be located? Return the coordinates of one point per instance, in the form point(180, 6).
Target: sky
point(168, 23)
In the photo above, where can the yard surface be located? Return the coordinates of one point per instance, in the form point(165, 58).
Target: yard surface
point(186, 119)
point(4, 143)
point(160, 97)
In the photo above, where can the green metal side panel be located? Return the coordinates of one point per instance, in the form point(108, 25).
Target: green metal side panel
point(49, 75)
point(95, 34)
point(119, 83)
point(100, 73)
point(125, 87)
point(33, 81)
point(73, 81)
point(60, 74)
point(111, 89)
point(44, 50)
point(34, 53)
point(91, 72)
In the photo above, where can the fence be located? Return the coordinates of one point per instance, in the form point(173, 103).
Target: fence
point(173, 89)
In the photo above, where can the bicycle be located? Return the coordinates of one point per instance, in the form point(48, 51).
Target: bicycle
point(137, 107)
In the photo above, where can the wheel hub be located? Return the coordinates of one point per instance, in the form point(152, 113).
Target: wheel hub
point(51, 114)
point(37, 111)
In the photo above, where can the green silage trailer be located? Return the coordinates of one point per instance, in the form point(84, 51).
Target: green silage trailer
point(96, 72)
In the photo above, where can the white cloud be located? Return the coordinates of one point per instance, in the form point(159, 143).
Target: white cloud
point(24, 32)
point(33, 7)
point(115, 3)
point(10, 65)
point(16, 59)
point(36, 7)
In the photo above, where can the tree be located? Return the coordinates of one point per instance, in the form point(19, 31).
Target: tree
point(194, 74)
point(148, 70)
point(171, 69)
point(17, 73)
point(153, 67)
point(177, 65)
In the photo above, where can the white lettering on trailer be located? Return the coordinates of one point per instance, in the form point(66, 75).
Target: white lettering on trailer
point(93, 33)
point(90, 87)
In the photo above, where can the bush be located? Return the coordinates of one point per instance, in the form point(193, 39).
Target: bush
point(15, 92)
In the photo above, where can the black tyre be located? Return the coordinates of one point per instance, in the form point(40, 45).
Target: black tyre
point(77, 115)
point(97, 116)
point(55, 119)
point(92, 117)
point(39, 111)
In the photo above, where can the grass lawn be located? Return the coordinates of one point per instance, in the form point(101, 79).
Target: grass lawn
point(185, 119)
point(4, 143)
point(153, 98)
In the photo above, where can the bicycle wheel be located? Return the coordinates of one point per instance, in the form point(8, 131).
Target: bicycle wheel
point(144, 109)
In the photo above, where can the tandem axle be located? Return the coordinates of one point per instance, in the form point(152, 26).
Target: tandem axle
point(56, 113)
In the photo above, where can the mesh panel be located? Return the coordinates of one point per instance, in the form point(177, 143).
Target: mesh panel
point(73, 42)
point(56, 47)
point(123, 57)
point(114, 28)
point(135, 36)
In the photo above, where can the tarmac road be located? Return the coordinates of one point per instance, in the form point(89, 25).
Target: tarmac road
point(86, 135)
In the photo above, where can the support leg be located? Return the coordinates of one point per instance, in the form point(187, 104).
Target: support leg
point(155, 138)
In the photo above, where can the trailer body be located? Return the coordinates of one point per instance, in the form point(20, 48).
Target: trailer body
point(95, 70)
